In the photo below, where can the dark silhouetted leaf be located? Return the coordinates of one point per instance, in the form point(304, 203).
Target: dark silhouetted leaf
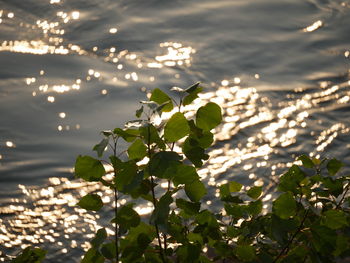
point(254, 192)
point(245, 253)
point(189, 252)
point(161, 212)
point(99, 238)
point(194, 152)
point(108, 250)
point(91, 202)
point(334, 219)
point(139, 112)
point(333, 166)
point(285, 206)
point(150, 135)
point(100, 148)
point(254, 208)
point(125, 173)
point(188, 207)
point(291, 180)
point(93, 256)
point(127, 217)
point(163, 164)
point(107, 133)
point(30, 255)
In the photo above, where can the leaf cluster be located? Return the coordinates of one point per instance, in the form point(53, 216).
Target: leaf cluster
point(308, 221)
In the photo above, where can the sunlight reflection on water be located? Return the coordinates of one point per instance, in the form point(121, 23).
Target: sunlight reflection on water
point(256, 142)
point(50, 214)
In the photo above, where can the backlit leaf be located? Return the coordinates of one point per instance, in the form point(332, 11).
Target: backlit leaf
point(137, 150)
point(128, 135)
point(234, 186)
point(307, 162)
point(161, 97)
point(192, 94)
point(208, 116)
point(195, 190)
point(89, 168)
point(192, 88)
point(185, 175)
point(176, 128)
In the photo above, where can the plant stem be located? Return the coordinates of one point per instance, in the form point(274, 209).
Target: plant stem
point(155, 224)
point(343, 197)
point(116, 205)
point(116, 224)
point(153, 193)
point(287, 247)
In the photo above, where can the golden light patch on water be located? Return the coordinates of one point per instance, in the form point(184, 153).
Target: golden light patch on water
point(252, 131)
point(327, 136)
point(51, 41)
point(113, 30)
point(313, 27)
point(10, 144)
point(177, 55)
point(51, 215)
point(37, 47)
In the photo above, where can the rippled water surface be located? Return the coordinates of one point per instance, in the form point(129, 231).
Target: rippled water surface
point(68, 69)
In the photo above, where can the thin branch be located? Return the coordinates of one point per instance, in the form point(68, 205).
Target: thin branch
point(343, 197)
point(154, 196)
point(116, 224)
point(115, 140)
point(287, 247)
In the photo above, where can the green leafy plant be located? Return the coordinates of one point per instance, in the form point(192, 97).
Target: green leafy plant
point(149, 161)
point(308, 221)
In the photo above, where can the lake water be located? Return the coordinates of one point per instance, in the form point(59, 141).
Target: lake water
point(69, 69)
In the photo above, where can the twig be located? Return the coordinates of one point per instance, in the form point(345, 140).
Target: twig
point(343, 197)
point(154, 196)
point(287, 247)
point(116, 204)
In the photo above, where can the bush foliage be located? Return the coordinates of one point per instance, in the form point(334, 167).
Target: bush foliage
point(308, 221)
